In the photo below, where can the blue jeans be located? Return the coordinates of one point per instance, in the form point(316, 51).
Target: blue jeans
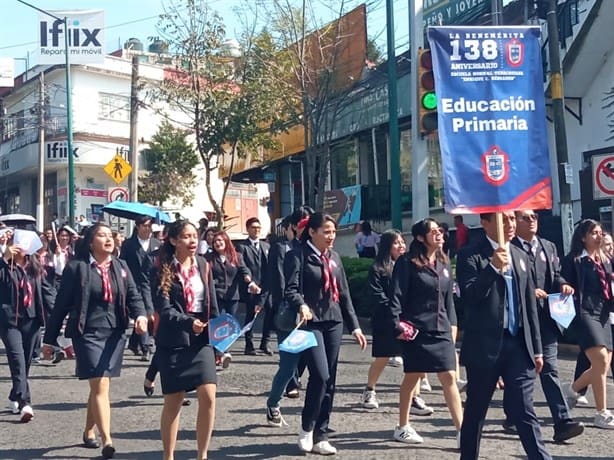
point(286, 372)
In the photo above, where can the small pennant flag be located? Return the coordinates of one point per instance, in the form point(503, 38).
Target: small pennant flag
point(298, 341)
point(224, 331)
point(562, 309)
point(27, 240)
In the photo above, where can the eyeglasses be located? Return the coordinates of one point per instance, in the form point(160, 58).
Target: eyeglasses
point(529, 217)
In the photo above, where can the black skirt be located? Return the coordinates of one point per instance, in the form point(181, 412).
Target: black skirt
point(429, 352)
point(385, 345)
point(593, 330)
point(186, 368)
point(99, 353)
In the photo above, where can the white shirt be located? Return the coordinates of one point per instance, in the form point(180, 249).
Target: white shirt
point(198, 287)
point(144, 244)
point(59, 261)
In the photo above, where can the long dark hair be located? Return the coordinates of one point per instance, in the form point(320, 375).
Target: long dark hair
point(383, 261)
point(418, 252)
point(166, 254)
point(316, 221)
point(584, 228)
point(82, 246)
point(365, 228)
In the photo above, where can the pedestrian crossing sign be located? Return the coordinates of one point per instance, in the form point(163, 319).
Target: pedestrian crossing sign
point(118, 169)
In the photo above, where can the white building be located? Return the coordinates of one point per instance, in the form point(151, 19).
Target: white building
point(101, 126)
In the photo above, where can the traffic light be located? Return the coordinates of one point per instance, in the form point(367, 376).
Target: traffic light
point(427, 99)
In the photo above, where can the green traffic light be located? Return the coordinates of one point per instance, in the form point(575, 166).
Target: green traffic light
point(429, 101)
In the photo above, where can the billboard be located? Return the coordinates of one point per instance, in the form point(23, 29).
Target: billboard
point(85, 37)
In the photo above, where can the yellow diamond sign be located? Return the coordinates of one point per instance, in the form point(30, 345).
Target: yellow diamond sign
point(118, 168)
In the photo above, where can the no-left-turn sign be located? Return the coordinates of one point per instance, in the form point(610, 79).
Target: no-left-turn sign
point(603, 176)
point(118, 194)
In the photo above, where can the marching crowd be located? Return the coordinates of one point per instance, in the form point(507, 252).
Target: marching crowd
point(87, 287)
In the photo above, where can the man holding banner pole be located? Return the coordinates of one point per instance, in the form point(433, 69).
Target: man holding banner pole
point(491, 115)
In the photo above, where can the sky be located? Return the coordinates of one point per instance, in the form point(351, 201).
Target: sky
point(125, 19)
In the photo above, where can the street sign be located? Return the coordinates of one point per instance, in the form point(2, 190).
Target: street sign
point(118, 169)
point(603, 176)
point(118, 194)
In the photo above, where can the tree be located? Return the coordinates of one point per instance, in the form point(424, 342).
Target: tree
point(228, 94)
point(325, 60)
point(170, 156)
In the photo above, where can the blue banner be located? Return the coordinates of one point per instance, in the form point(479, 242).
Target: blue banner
point(344, 204)
point(491, 118)
point(224, 330)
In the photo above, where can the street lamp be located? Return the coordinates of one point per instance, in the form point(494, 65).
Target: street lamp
point(69, 139)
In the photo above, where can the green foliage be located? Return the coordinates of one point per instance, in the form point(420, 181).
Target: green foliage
point(357, 271)
point(169, 157)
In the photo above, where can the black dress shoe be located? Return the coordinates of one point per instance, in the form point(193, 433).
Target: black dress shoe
point(266, 350)
point(90, 443)
point(186, 402)
point(509, 427)
point(134, 350)
point(108, 451)
point(250, 351)
point(567, 430)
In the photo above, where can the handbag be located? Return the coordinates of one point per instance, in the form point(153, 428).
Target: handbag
point(285, 318)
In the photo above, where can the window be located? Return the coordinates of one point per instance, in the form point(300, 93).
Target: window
point(344, 160)
point(114, 107)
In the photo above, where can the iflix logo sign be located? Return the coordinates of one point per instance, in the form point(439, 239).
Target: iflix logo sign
point(85, 37)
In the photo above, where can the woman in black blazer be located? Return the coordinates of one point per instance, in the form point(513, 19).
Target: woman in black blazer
point(185, 300)
point(26, 300)
point(589, 271)
point(421, 288)
point(228, 271)
point(323, 304)
point(384, 319)
point(99, 296)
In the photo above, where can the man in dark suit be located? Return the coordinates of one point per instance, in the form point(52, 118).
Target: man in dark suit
point(136, 251)
point(548, 280)
point(255, 255)
point(501, 335)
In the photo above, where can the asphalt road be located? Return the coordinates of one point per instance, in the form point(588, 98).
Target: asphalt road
point(240, 429)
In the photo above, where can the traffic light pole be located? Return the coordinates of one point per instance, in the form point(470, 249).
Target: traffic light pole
point(393, 124)
point(419, 153)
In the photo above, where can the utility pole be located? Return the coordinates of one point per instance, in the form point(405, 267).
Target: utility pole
point(393, 123)
point(565, 175)
point(133, 154)
point(40, 205)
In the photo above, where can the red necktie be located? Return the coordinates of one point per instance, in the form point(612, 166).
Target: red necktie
point(605, 289)
point(330, 282)
point(26, 289)
point(107, 293)
point(185, 278)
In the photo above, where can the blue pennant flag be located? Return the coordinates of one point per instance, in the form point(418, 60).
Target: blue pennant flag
point(298, 341)
point(562, 309)
point(224, 330)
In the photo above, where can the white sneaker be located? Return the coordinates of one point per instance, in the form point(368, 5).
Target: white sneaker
point(226, 360)
point(425, 385)
point(395, 361)
point(407, 435)
point(570, 395)
point(13, 406)
point(305, 440)
point(604, 419)
point(419, 407)
point(461, 385)
point(26, 414)
point(582, 401)
point(369, 399)
point(324, 448)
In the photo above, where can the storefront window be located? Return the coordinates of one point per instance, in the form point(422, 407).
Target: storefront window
point(344, 162)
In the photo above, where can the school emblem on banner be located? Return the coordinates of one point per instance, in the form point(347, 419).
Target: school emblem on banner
point(495, 165)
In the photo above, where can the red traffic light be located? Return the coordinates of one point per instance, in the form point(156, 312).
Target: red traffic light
point(426, 60)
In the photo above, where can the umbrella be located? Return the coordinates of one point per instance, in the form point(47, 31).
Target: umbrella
point(298, 341)
point(132, 210)
point(17, 219)
point(224, 330)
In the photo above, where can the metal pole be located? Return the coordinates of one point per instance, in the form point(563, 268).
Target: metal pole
point(560, 133)
point(69, 141)
point(419, 152)
point(40, 206)
point(133, 180)
point(393, 123)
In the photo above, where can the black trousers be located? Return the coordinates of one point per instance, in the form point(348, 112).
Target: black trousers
point(518, 372)
point(268, 324)
point(322, 364)
point(139, 342)
point(19, 342)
